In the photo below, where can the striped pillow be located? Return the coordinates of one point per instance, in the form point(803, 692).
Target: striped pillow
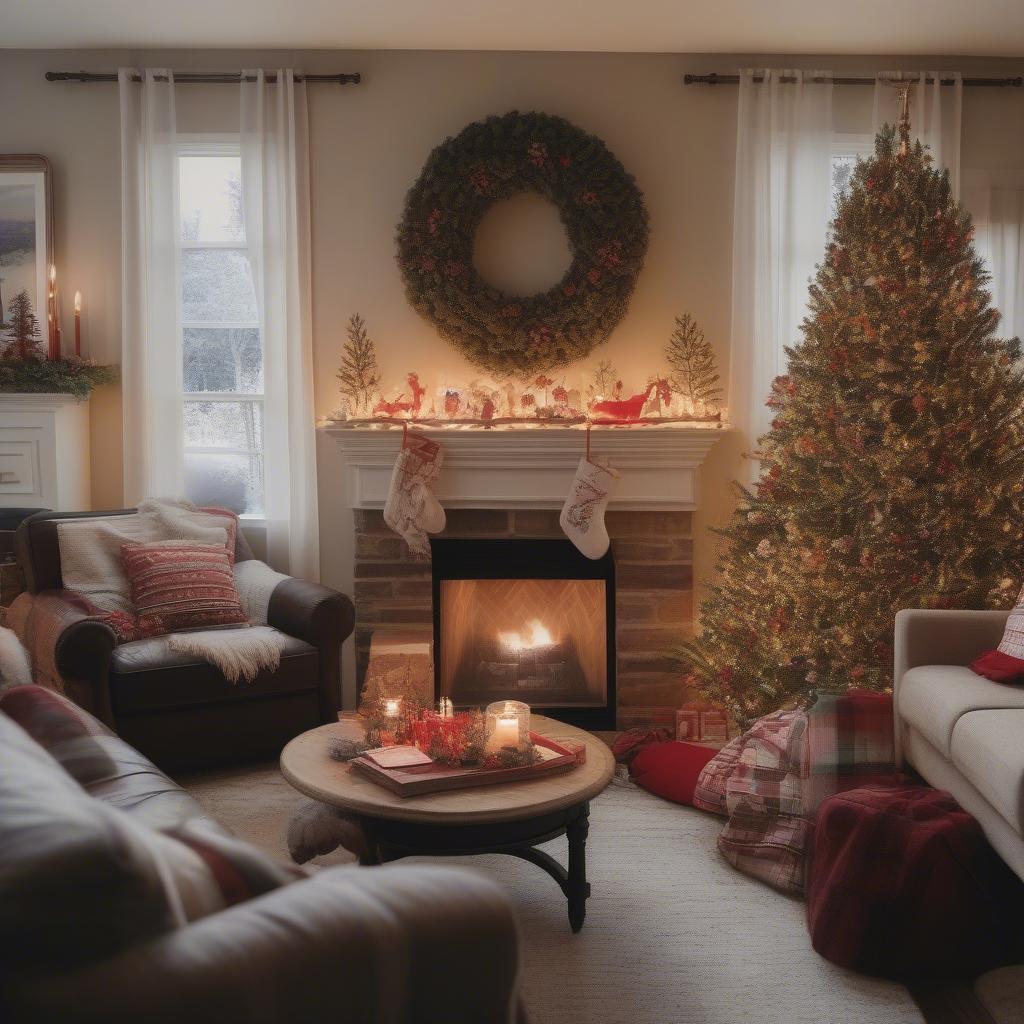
point(180, 585)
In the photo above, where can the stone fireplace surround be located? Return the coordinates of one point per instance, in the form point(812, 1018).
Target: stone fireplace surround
point(511, 484)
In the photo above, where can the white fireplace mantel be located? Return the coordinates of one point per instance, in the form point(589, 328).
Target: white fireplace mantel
point(524, 467)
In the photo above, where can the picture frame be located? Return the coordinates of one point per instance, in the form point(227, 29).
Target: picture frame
point(26, 250)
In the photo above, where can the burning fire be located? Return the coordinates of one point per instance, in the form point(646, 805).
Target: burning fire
point(538, 636)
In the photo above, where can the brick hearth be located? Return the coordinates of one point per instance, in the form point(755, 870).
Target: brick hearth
point(654, 592)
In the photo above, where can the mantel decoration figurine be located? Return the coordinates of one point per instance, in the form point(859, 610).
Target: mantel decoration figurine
point(605, 219)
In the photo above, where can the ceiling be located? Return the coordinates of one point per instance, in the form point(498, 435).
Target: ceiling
point(992, 28)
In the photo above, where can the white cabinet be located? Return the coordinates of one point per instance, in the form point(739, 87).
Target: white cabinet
point(44, 452)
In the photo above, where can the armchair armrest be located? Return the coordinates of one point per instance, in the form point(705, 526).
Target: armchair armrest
point(391, 945)
point(322, 617)
point(68, 646)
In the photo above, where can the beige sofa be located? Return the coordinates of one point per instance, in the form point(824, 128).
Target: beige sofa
point(963, 733)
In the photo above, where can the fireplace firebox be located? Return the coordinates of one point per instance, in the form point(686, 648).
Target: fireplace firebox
point(529, 620)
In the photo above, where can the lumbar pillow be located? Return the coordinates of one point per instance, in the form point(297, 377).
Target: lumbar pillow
point(181, 585)
point(1006, 663)
point(671, 769)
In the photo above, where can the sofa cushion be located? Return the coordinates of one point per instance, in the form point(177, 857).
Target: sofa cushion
point(145, 676)
point(988, 747)
point(181, 585)
point(76, 882)
point(932, 698)
point(670, 769)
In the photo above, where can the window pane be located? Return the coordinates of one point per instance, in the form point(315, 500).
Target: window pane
point(843, 166)
point(216, 284)
point(228, 480)
point(224, 425)
point(223, 359)
point(210, 190)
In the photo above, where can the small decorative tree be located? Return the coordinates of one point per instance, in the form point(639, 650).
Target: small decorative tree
point(602, 381)
point(359, 374)
point(694, 375)
point(24, 326)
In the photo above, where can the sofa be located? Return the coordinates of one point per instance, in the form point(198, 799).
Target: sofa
point(121, 901)
point(963, 733)
point(177, 709)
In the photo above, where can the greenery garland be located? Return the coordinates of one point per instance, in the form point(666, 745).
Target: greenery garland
point(53, 376)
point(604, 216)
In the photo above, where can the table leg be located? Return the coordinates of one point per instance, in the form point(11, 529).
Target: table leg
point(578, 888)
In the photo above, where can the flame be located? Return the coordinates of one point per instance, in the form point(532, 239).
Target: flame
point(539, 636)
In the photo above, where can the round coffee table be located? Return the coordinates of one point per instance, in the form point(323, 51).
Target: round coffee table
point(511, 818)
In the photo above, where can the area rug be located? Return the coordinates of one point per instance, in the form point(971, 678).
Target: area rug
point(673, 933)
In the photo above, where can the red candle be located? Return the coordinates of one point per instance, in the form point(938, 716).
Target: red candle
point(78, 324)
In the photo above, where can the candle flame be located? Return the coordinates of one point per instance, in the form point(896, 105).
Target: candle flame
point(391, 705)
point(539, 636)
point(53, 272)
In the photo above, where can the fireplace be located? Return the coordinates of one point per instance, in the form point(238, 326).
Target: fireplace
point(524, 619)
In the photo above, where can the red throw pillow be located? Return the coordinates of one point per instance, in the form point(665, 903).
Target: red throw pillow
point(671, 769)
point(181, 585)
point(999, 667)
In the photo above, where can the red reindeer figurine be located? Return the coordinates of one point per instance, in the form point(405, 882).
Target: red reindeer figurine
point(632, 408)
point(398, 407)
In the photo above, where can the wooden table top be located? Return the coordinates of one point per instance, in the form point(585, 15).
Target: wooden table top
point(308, 766)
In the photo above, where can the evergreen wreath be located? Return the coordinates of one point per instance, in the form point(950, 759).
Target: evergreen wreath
point(604, 216)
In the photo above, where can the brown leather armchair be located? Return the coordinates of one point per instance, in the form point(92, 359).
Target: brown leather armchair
point(178, 710)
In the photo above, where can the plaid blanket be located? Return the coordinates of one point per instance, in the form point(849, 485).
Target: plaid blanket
point(770, 781)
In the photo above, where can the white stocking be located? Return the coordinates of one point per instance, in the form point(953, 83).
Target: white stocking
point(412, 510)
point(582, 516)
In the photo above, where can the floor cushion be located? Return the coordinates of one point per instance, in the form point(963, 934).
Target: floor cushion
point(670, 770)
point(903, 884)
point(709, 793)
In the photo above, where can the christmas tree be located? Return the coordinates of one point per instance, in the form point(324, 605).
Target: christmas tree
point(893, 472)
point(24, 326)
point(358, 374)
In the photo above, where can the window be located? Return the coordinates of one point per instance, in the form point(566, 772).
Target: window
point(846, 151)
point(221, 346)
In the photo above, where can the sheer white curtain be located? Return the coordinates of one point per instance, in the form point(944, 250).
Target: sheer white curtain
point(936, 113)
point(782, 192)
point(275, 191)
point(151, 373)
point(996, 202)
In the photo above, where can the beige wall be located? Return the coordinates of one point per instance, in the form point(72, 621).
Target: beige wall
point(368, 144)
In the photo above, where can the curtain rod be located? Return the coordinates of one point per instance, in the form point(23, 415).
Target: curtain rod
point(716, 79)
point(199, 77)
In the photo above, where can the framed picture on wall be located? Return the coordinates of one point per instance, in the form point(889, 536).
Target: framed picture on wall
point(26, 253)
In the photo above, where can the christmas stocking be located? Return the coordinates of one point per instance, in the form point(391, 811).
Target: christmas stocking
point(411, 509)
point(582, 516)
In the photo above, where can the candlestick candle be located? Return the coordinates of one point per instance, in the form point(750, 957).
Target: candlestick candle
point(392, 706)
point(78, 324)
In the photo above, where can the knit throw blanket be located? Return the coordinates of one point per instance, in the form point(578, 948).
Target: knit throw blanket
point(238, 653)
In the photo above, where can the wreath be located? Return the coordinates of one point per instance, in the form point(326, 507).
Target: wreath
point(605, 220)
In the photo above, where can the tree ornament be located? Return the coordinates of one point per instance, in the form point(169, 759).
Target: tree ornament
point(604, 216)
point(894, 458)
point(358, 374)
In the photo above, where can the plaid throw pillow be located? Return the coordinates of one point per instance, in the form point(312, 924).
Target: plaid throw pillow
point(181, 585)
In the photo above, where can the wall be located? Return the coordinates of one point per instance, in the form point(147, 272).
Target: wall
point(368, 144)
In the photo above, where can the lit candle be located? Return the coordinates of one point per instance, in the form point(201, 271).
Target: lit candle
point(78, 323)
point(391, 706)
point(506, 731)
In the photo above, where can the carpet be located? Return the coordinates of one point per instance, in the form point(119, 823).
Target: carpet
point(673, 933)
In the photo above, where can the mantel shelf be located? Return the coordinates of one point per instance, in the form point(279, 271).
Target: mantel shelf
point(533, 467)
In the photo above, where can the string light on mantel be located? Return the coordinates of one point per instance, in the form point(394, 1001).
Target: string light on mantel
point(684, 391)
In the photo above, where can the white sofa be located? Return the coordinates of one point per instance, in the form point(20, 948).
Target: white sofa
point(962, 733)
